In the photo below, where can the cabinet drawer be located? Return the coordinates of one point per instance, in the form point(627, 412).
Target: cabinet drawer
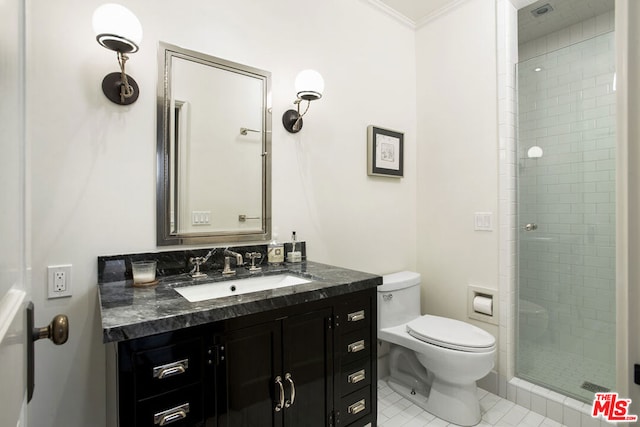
point(169, 367)
point(355, 406)
point(355, 314)
point(179, 408)
point(355, 376)
point(355, 345)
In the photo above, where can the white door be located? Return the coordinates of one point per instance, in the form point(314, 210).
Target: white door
point(13, 248)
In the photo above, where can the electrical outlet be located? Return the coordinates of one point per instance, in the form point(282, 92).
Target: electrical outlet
point(59, 281)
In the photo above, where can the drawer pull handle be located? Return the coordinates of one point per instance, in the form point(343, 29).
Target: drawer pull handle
point(280, 404)
point(356, 377)
point(355, 316)
point(359, 406)
point(288, 403)
point(171, 415)
point(171, 369)
point(356, 346)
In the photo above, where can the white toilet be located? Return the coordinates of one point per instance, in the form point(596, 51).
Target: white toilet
point(434, 361)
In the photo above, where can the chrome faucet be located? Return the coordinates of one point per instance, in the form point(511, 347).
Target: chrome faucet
point(197, 262)
point(239, 261)
point(227, 271)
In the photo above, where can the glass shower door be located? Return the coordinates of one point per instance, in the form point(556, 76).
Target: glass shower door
point(566, 219)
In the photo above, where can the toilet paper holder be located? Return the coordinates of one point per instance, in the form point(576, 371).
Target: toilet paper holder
point(486, 301)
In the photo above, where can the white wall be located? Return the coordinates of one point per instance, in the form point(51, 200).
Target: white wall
point(457, 156)
point(93, 162)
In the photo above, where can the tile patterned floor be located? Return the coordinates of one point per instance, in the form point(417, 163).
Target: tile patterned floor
point(396, 411)
point(545, 363)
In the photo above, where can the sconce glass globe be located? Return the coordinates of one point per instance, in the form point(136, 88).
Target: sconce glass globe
point(309, 85)
point(117, 28)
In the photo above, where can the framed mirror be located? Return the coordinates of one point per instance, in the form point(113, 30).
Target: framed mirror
point(213, 150)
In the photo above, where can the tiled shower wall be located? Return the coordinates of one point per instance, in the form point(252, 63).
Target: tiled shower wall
point(567, 266)
point(558, 407)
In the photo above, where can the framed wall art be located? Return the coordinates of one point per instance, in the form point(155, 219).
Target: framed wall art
point(385, 152)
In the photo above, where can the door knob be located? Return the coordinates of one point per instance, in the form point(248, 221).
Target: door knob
point(57, 331)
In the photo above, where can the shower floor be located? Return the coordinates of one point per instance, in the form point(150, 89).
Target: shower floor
point(562, 371)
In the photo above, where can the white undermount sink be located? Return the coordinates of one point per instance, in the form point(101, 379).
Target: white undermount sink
point(228, 288)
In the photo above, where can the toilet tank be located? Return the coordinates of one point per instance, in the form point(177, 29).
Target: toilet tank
point(398, 299)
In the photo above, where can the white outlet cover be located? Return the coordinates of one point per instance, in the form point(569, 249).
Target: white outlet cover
point(51, 281)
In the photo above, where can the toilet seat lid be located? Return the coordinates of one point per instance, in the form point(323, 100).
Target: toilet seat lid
point(451, 333)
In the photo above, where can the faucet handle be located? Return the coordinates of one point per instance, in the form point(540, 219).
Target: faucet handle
point(253, 256)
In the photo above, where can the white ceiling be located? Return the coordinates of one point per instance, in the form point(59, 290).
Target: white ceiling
point(565, 13)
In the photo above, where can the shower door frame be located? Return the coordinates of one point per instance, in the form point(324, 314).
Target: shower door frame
point(627, 190)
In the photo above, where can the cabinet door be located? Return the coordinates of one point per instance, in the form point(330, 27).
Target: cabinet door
point(247, 393)
point(308, 368)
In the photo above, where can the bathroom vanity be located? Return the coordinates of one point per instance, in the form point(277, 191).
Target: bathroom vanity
point(302, 355)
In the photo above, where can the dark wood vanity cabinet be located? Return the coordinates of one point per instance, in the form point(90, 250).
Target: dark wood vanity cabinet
point(278, 373)
point(311, 364)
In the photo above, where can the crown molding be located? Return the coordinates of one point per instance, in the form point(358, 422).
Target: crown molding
point(439, 12)
point(393, 13)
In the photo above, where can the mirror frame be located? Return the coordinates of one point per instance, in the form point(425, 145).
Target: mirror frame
point(164, 235)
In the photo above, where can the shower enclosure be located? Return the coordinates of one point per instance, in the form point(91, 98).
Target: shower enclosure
point(566, 219)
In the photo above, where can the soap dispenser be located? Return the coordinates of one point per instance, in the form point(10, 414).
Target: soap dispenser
point(294, 255)
point(275, 252)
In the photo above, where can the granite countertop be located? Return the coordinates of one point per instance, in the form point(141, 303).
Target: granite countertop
point(130, 312)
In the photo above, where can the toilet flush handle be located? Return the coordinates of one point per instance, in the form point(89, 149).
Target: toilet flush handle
point(387, 297)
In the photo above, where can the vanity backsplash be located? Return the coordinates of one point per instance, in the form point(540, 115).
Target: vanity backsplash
point(114, 268)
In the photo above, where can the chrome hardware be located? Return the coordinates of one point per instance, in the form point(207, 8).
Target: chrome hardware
point(253, 256)
point(227, 271)
point(355, 316)
point(530, 227)
point(243, 218)
point(171, 369)
point(280, 404)
point(387, 297)
point(293, 390)
point(197, 262)
point(359, 406)
point(171, 415)
point(356, 346)
point(243, 131)
point(236, 255)
point(356, 377)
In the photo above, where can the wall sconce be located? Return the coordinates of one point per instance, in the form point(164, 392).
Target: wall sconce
point(118, 29)
point(309, 85)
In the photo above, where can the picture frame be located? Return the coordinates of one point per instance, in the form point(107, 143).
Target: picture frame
point(385, 152)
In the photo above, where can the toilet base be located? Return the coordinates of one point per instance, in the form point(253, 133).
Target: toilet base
point(454, 403)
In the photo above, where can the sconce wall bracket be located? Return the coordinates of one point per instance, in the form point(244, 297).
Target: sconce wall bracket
point(117, 43)
point(289, 119)
point(112, 89)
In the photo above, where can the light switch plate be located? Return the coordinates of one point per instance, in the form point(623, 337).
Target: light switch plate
point(484, 221)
